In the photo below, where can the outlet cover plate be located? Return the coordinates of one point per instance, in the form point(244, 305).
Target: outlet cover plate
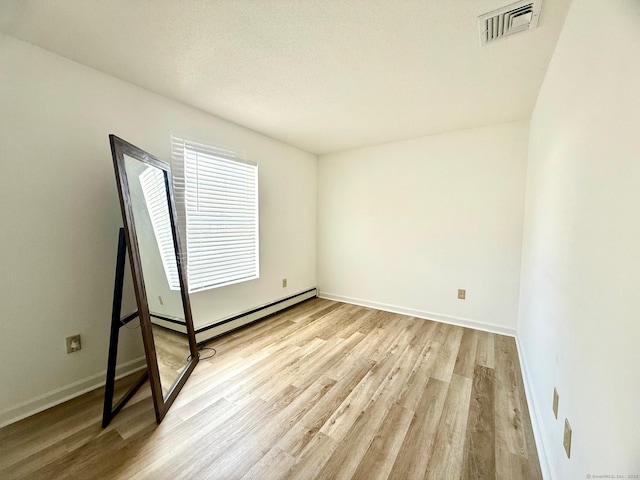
point(462, 294)
point(73, 343)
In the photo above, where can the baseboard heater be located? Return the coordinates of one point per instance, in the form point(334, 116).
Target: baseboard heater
point(204, 334)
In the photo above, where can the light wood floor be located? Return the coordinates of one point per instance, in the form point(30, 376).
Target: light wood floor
point(323, 390)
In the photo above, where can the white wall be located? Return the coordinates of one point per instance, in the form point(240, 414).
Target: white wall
point(579, 325)
point(60, 217)
point(402, 226)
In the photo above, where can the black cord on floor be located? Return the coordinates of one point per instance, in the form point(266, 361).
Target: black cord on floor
point(210, 355)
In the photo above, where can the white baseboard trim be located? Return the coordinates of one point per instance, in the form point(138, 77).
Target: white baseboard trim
point(534, 414)
point(461, 322)
point(62, 394)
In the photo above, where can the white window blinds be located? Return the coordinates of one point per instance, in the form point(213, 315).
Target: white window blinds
point(155, 196)
point(221, 215)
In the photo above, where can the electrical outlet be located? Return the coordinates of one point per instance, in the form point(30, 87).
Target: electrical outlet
point(73, 343)
point(556, 399)
point(284, 283)
point(462, 294)
point(567, 438)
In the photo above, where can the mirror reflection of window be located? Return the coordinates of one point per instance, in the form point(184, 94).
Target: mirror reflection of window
point(150, 205)
point(154, 191)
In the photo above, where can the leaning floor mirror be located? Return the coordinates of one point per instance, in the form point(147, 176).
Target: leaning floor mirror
point(159, 277)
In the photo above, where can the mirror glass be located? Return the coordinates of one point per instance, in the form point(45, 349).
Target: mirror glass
point(150, 207)
point(159, 278)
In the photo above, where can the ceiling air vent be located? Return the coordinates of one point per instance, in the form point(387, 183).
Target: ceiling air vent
point(514, 18)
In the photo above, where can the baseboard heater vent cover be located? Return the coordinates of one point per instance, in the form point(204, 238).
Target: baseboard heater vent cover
point(204, 334)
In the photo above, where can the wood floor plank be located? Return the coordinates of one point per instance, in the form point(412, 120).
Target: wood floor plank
point(515, 450)
point(312, 458)
point(356, 442)
point(479, 449)
point(297, 440)
point(509, 429)
point(413, 389)
point(415, 453)
point(86, 458)
point(338, 348)
point(253, 445)
point(381, 454)
point(346, 414)
point(353, 320)
point(467, 353)
point(322, 390)
point(485, 352)
point(280, 379)
point(345, 460)
point(275, 460)
point(448, 353)
point(448, 447)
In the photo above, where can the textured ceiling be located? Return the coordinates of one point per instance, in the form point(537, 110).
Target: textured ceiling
point(322, 75)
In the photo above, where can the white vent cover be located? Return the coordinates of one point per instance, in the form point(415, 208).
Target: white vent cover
point(514, 18)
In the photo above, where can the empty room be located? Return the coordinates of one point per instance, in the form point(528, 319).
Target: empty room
point(289, 239)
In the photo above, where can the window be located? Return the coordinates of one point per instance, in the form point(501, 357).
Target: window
point(219, 194)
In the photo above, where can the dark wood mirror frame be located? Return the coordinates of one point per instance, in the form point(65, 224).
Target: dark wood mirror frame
point(120, 148)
